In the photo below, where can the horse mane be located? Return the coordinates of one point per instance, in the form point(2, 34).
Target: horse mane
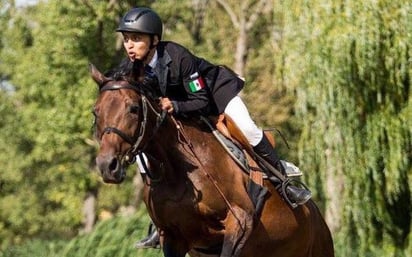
point(134, 73)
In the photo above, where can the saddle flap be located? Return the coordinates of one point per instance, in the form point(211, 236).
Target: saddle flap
point(226, 126)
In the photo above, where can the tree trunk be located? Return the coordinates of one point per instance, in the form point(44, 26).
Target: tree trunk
point(199, 7)
point(334, 192)
point(244, 22)
point(241, 50)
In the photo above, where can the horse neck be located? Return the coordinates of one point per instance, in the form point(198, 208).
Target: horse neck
point(171, 146)
point(166, 137)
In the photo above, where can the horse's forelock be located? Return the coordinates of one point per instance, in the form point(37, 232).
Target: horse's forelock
point(135, 75)
point(142, 88)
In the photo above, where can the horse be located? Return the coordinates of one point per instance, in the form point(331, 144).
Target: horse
point(195, 193)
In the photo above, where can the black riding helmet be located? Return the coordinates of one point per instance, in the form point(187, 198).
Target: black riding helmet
point(142, 20)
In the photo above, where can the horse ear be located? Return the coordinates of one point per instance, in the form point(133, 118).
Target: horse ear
point(97, 75)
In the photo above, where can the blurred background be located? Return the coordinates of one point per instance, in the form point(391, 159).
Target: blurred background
point(333, 76)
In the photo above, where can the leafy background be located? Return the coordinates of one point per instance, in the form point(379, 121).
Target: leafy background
point(333, 76)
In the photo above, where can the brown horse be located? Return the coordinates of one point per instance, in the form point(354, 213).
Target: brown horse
point(194, 192)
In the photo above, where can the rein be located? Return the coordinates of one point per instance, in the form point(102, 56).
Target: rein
point(137, 148)
point(136, 142)
point(208, 175)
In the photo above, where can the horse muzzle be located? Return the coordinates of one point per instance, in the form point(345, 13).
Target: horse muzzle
point(111, 169)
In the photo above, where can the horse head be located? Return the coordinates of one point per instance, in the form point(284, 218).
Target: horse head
point(121, 114)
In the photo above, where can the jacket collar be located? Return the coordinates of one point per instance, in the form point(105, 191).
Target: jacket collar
point(154, 59)
point(162, 67)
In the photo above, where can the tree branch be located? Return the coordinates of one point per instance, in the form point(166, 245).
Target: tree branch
point(230, 12)
point(90, 7)
point(255, 14)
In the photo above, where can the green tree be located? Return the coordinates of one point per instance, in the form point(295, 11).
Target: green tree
point(340, 69)
point(45, 53)
point(349, 62)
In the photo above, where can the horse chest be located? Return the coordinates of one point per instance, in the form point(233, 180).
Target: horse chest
point(191, 200)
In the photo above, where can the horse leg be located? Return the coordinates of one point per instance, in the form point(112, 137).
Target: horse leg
point(238, 227)
point(322, 244)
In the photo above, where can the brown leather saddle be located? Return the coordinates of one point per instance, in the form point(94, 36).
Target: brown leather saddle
point(229, 135)
point(228, 129)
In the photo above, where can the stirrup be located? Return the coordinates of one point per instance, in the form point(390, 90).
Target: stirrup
point(151, 241)
point(284, 185)
point(275, 176)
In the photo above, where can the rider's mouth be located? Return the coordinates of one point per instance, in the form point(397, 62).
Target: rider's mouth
point(132, 56)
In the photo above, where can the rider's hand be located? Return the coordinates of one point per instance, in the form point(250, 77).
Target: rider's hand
point(166, 104)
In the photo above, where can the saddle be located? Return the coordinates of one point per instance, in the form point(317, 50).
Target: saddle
point(229, 129)
point(238, 147)
point(234, 141)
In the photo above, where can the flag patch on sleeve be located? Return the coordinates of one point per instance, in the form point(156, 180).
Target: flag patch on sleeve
point(196, 85)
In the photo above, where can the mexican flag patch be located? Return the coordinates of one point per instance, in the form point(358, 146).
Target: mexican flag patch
point(196, 85)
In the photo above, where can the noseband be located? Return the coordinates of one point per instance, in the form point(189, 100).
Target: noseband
point(135, 140)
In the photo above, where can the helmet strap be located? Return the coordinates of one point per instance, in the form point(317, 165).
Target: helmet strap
point(152, 39)
point(151, 47)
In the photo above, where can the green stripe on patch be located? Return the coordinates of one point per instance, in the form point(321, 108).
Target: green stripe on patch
point(196, 85)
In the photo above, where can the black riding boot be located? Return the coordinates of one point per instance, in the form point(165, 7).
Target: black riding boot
point(151, 241)
point(265, 150)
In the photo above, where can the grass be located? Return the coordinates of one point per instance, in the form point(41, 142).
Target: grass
point(111, 238)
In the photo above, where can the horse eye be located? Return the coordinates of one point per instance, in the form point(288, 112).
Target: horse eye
point(134, 109)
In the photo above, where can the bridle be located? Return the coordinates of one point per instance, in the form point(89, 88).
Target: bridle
point(135, 140)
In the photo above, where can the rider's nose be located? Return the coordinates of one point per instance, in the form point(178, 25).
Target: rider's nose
point(129, 44)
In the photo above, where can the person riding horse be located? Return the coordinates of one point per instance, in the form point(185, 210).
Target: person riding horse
point(191, 85)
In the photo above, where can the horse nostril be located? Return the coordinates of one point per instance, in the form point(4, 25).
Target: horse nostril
point(113, 165)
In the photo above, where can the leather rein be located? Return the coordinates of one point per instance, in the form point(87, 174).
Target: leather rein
point(135, 140)
point(137, 149)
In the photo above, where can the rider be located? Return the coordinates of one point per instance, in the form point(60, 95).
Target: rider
point(192, 85)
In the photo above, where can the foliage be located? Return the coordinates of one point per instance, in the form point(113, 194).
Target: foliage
point(352, 73)
point(47, 129)
point(34, 248)
point(112, 237)
point(334, 76)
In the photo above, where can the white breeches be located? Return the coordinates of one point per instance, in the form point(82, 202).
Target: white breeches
point(237, 110)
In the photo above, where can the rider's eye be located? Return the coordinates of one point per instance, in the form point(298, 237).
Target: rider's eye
point(132, 37)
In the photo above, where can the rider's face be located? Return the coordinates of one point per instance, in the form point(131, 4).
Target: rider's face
point(137, 45)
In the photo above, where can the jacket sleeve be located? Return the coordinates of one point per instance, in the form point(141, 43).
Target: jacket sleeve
point(197, 95)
